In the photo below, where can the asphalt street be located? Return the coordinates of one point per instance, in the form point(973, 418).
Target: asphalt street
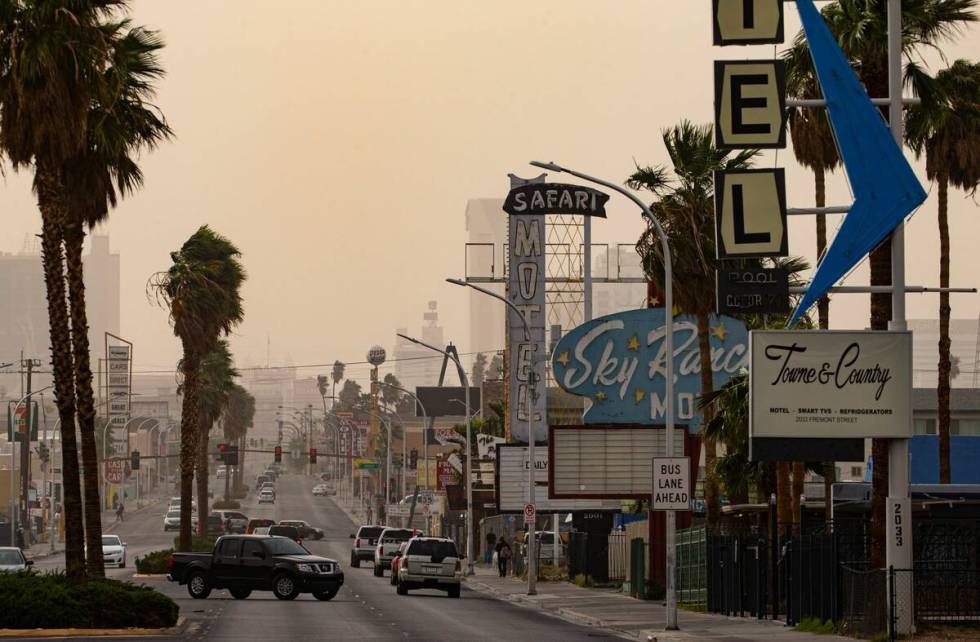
point(367, 608)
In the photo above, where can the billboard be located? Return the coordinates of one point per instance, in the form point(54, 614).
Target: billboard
point(830, 384)
point(119, 366)
point(513, 488)
point(607, 462)
point(445, 401)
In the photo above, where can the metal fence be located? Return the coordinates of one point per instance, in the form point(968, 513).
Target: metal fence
point(692, 568)
point(619, 548)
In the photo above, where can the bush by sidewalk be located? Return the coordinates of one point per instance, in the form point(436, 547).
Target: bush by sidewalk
point(226, 505)
point(155, 563)
point(33, 601)
point(199, 543)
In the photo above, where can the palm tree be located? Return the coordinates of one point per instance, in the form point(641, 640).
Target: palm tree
point(120, 124)
point(51, 56)
point(202, 291)
point(686, 211)
point(947, 131)
point(238, 418)
point(861, 28)
point(216, 380)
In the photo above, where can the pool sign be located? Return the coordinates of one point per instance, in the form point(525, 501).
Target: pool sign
point(748, 22)
point(618, 362)
point(671, 483)
point(750, 104)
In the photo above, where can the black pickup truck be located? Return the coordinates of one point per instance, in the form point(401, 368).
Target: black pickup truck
point(246, 563)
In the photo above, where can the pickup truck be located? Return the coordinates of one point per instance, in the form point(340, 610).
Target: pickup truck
point(246, 563)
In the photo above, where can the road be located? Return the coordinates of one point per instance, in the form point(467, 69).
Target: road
point(367, 608)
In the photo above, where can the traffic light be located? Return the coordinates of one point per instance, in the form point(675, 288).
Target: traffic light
point(312, 455)
point(278, 455)
point(134, 460)
point(230, 457)
point(221, 453)
point(414, 458)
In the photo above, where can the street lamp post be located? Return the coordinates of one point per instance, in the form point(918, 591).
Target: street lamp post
point(24, 444)
point(469, 451)
point(532, 549)
point(669, 366)
point(425, 442)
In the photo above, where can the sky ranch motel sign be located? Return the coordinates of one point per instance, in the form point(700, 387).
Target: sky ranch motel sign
point(618, 361)
point(556, 198)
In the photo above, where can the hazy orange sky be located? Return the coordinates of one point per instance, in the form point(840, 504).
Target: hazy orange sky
point(336, 143)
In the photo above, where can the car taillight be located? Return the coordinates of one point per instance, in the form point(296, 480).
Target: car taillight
point(357, 543)
point(170, 563)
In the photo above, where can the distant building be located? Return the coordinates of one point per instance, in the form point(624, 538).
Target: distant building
point(101, 293)
point(964, 350)
point(617, 262)
point(418, 366)
point(272, 388)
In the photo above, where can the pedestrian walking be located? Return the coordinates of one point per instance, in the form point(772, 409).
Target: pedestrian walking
point(503, 555)
point(119, 512)
point(489, 549)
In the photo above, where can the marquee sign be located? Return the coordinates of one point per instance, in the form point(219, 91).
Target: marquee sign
point(556, 198)
point(526, 289)
point(830, 385)
point(748, 22)
point(750, 104)
point(618, 362)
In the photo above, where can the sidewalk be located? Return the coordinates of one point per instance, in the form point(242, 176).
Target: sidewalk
point(637, 619)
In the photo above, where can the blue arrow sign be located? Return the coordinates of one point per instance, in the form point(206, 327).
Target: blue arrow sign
point(885, 187)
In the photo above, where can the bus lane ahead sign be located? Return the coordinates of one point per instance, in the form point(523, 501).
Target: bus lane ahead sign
point(671, 483)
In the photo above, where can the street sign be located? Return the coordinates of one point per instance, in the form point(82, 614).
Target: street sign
point(398, 510)
point(750, 214)
point(753, 291)
point(530, 514)
point(750, 104)
point(671, 483)
point(361, 463)
point(556, 198)
point(748, 22)
point(115, 471)
point(16, 421)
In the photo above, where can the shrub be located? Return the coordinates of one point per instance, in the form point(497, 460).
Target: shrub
point(155, 563)
point(51, 601)
point(199, 543)
point(815, 625)
point(223, 505)
point(583, 581)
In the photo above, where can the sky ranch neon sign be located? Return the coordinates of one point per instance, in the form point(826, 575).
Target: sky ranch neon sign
point(619, 363)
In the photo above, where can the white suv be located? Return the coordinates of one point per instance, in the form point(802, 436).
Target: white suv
point(387, 548)
point(430, 562)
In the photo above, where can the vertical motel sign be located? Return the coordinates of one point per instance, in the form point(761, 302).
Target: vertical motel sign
point(750, 113)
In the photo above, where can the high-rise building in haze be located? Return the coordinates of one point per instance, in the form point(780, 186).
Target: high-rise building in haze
point(415, 365)
point(964, 335)
point(617, 262)
point(486, 228)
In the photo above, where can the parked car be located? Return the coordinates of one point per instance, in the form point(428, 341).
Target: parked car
point(430, 562)
point(222, 473)
point(289, 532)
point(234, 521)
point(395, 561)
point(171, 521)
point(365, 541)
point(12, 560)
point(215, 525)
point(257, 523)
point(246, 563)
point(305, 530)
point(266, 496)
point(114, 551)
point(387, 547)
point(320, 490)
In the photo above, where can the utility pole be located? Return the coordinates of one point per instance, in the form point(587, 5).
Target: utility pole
point(25, 453)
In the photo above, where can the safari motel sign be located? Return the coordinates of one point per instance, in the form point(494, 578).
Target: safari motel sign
point(556, 198)
point(619, 361)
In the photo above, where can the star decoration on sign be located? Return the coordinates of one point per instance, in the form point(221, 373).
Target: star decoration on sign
point(653, 302)
point(634, 343)
point(563, 358)
point(600, 396)
point(639, 395)
point(720, 331)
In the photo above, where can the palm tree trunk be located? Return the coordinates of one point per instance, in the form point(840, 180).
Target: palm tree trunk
point(823, 314)
point(784, 513)
point(48, 188)
point(202, 479)
point(74, 237)
point(799, 474)
point(942, 390)
point(711, 498)
point(188, 447)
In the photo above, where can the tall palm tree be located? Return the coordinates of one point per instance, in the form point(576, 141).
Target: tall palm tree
point(686, 211)
point(216, 380)
point(202, 291)
point(52, 53)
point(120, 124)
point(947, 131)
point(861, 28)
